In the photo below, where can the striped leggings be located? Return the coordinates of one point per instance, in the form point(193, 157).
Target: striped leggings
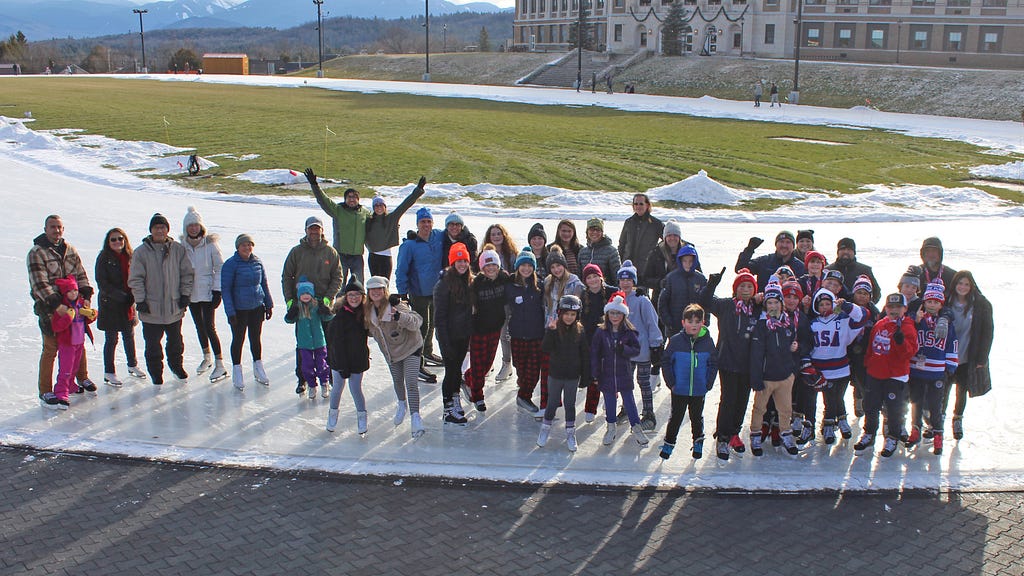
point(409, 390)
point(643, 380)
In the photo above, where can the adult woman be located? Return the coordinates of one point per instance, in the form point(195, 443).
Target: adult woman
point(204, 254)
point(247, 303)
point(566, 239)
point(117, 309)
point(503, 244)
point(972, 320)
point(382, 230)
point(559, 282)
point(454, 325)
point(599, 249)
point(663, 259)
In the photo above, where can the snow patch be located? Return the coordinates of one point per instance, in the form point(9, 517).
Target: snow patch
point(272, 177)
point(1011, 171)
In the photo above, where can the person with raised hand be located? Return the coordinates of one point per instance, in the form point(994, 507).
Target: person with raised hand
point(382, 230)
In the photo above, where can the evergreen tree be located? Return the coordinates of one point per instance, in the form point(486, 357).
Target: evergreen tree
point(672, 30)
point(184, 59)
point(484, 42)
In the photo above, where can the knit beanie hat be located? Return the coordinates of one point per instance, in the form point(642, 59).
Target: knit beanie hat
point(688, 250)
point(832, 274)
point(192, 216)
point(526, 256)
point(627, 271)
point(792, 288)
point(932, 242)
point(158, 218)
point(744, 275)
point(935, 290)
point(617, 303)
point(243, 239)
point(595, 223)
point(590, 270)
point(489, 257)
point(801, 234)
point(672, 227)
point(304, 286)
point(863, 282)
point(377, 282)
point(820, 295)
point(353, 285)
point(424, 214)
point(458, 252)
point(556, 256)
point(785, 270)
point(378, 200)
point(847, 243)
point(811, 255)
point(453, 218)
point(785, 235)
point(66, 284)
point(773, 290)
point(537, 230)
point(912, 276)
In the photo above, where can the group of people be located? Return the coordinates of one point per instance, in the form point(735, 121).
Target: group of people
point(571, 316)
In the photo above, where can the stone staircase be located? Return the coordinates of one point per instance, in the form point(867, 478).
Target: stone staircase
point(562, 72)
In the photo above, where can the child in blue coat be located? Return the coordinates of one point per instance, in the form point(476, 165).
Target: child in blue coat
point(690, 365)
point(308, 315)
point(615, 342)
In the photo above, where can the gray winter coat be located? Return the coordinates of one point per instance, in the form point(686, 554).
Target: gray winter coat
point(603, 254)
point(160, 274)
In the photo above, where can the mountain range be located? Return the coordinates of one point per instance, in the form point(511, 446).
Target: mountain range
point(48, 19)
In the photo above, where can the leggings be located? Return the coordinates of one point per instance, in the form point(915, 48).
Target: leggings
point(405, 377)
point(565, 389)
point(680, 405)
point(454, 354)
point(205, 319)
point(628, 403)
point(960, 403)
point(355, 387)
point(380, 265)
point(110, 346)
point(251, 322)
point(643, 380)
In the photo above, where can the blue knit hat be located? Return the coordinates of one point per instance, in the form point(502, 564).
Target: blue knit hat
point(453, 218)
point(305, 287)
point(526, 256)
point(773, 290)
point(627, 270)
point(424, 214)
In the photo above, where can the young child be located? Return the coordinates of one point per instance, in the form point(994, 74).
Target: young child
point(565, 343)
point(681, 288)
point(594, 297)
point(487, 293)
point(810, 283)
point(827, 367)
point(396, 328)
point(862, 288)
point(910, 288)
point(615, 342)
point(690, 365)
point(773, 349)
point(70, 325)
point(308, 315)
point(891, 345)
point(935, 358)
point(558, 282)
point(737, 317)
point(832, 280)
point(804, 397)
point(784, 274)
point(525, 300)
point(645, 321)
point(348, 354)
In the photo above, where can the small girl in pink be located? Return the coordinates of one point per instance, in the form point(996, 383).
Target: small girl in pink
point(69, 325)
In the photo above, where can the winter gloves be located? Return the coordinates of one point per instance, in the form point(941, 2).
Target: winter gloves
point(183, 302)
point(754, 243)
point(88, 313)
point(216, 299)
point(142, 307)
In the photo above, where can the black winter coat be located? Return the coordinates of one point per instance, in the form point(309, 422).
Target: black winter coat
point(453, 319)
point(593, 308)
point(734, 330)
point(347, 351)
point(115, 298)
point(489, 302)
point(764, 266)
point(851, 269)
point(569, 354)
point(467, 238)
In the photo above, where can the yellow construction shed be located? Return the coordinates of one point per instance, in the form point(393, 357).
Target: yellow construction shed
point(226, 64)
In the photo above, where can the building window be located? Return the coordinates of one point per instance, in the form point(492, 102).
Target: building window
point(991, 39)
point(645, 2)
point(880, 2)
point(565, 5)
point(814, 2)
point(618, 32)
point(771, 2)
point(958, 3)
point(955, 38)
point(994, 3)
point(920, 36)
point(928, 3)
point(618, 3)
point(876, 37)
point(844, 37)
point(769, 33)
point(600, 4)
point(813, 37)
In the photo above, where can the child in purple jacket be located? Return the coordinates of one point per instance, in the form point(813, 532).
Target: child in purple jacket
point(615, 342)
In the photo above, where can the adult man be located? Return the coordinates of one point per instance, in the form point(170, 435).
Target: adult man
point(455, 231)
point(417, 270)
point(315, 259)
point(640, 234)
point(932, 266)
point(846, 262)
point(161, 279)
point(50, 258)
point(349, 218)
point(765, 266)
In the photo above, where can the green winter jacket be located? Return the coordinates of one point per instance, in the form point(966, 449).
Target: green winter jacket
point(349, 223)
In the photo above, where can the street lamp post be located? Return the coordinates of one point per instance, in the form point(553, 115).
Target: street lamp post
point(142, 36)
point(899, 34)
point(794, 94)
point(579, 47)
point(319, 38)
point(426, 26)
point(444, 37)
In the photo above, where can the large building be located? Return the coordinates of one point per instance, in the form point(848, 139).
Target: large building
point(971, 33)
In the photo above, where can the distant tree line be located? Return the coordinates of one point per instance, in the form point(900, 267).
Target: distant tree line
point(345, 35)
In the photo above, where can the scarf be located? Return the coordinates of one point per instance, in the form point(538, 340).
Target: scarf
point(743, 308)
point(781, 322)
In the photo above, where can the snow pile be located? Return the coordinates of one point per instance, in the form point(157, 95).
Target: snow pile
point(1011, 171)
point(701, 189)
point(272, 177)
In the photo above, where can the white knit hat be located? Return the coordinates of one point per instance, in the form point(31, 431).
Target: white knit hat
point(617, 304)
point(192, 217)
point(489, 257)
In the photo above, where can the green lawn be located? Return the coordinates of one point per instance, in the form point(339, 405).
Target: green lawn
point(385, 139)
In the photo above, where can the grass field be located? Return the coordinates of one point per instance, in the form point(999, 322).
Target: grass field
point(392, 139)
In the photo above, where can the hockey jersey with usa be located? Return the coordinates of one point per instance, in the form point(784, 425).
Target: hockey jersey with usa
point(934, 355)
point(831, 336)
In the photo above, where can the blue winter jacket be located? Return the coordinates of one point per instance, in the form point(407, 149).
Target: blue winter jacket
point(526, 312)
point(690, 364)
point(243, 285)
point(679, 290)
point(770, 354)
point(612, 370)
point(419, 264)
point(764, 266)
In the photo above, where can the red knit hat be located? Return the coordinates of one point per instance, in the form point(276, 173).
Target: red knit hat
point(591, 269)
point(815, 254)
point(66, 284)
point(744, 275)
point(458, 252)
point(792, 287)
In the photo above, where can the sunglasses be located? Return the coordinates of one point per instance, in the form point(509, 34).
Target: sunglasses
point(117, 239)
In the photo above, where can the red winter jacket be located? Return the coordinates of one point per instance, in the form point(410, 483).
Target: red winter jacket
point(885, 358)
